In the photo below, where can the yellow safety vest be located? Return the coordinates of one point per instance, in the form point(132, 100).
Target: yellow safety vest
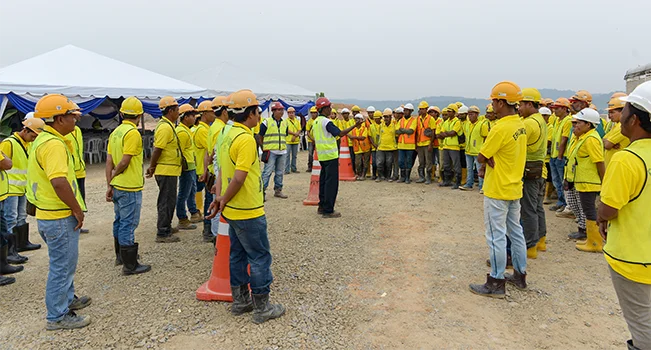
point(274, 137)
point(132, 178)
point(326, 145)
point(17, 175)
point(77, 139)
point(293, 126)
point(537, 149)
point(582, 169)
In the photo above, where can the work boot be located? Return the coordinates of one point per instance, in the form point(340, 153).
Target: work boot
point(494, 288)
point(402, 175)
point(167, 239)
point(532, 252)
point(428, 178)
point(630, 346)
point(22, 242)
point(519, 280)
point(12, 255)
point(131, 265)
point(580, 235)
point(278, 193)
point(509, 262)
point(242, 302)
point(421, 176)
point(6, 280)
point(175, 230)
point(207, 233)
point(542, 244)
point(407, 176)
point(185, 224)
point(263, 311)
point(116, 246)
point(196, 217)
point(557, 207)
point(379, 179)
point(309, 170)
point(333, 215)
point(79, 303)
point(466, 188)
point(594, 243)
point(5, 268)
point(69, 321)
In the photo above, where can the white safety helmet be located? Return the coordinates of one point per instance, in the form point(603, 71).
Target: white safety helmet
point(640, 97)
point(409, 106)
point(345, 110)
point(29, 115)
point(588, 115)
point(545, 111)
point(463, 110)
point(400, 110)
point(370, 109)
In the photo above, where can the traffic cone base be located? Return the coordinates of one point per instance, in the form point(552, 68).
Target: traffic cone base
point(218, 287)
point(313, 194)
point(346, 172)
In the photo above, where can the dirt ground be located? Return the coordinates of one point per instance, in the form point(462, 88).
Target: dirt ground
point(392, 273)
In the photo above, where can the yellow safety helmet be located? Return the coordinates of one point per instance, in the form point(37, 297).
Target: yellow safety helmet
point(423, 104)
point(489, 108)
point(242, 99)
point(356, 108)
point(459, 104)
point(507, 90)
point(618, 95)
point(616, 103)
point(377, 114)
point(186, 108)
point(531, 95)
point(219, 101)
point(434, 108)
point(55, 104)
point(334, 111)
point(453, 107)
point(205, 106)
point(387, 111)
point(34, 124)
point(132, 106)
point(313, 109)
point(167, 101)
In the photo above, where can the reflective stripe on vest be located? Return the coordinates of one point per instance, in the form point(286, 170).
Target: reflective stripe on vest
point(17, 175)
point(537, 149)
point(274, 137)
point(326, 144)
point(405, 138)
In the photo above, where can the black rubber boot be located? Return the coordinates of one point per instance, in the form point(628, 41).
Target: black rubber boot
point(457, 182)
point(207, 233)
point(131, 266)
point(5, 268)
point(428, 178)
point(6, 280)
point(12, 255)
point(407, 176)
point(493, 288)
point(263, 311)
point(402, 175)
point(421, 176)
point(118, 257)
point(242, 302)
point(22, 243)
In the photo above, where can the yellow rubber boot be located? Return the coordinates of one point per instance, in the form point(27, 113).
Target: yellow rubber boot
point(594, 243)
point(464, 175)
point(199, 198)
point(549, 188)
point(542, 244)
point(532, 253)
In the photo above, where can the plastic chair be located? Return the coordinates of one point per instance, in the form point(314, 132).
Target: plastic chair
point(103, 151)
point(92, 151)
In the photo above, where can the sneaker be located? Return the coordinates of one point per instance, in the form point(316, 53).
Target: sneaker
point(167, 239)
point(556, 207)
point(80, 303)
point(466, 188)
point(175, 230)
point(185, 224)
point(334, 214)
point(84, 230)
point(481, 191)
point(69, 321)
point(567, 213)
point(294, 171)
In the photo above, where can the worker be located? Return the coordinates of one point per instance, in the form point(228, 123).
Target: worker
point(434, 112)
point(53, 189)
point(490, 115)
point(125, 181)
point(463, 119)
point(202, 152)
point(370, 112)
point(292, 140)
point(624, 221)
point(5, 260)
point(374, 133)
point(584, 172)
point(398, 114)
point(386, 146)
point(426, 126)
point(310, 145)
point(532, 212)
point(361, 147)
point(324, 133)
point(187, 184)
point(165, 165)
point(355, 110)
point(77, 139)
point(503, 157)
point(406, 132)
point(273, 133)
point(476, 132)
point(345, 122)
point(562, 132)
point(16, 148)
point(449, 136)
point(550, 191)
point(240, 201)
point(614, 141)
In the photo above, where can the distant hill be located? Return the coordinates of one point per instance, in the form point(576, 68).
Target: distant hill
point(600, 100)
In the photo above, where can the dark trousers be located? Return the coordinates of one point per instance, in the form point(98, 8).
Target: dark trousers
point(310, 155)
point(166, 203)
point(328, 185)
point(384, 163)
point(361, 163)
point(352, 155)
point(452, 165)
point(207, 198)
point(588, 204)
point(396, 165)
point(406, 158)
point(532, 213)
point(374, 163)
point(81, 182)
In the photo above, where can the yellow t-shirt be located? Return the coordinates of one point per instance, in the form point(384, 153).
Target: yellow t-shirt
point(423, 124)
point(562, 129)
point(54, 160)
point(452, 142)
point(507, 145)
point(593, 149)
point(187, 146)
point(361, 146)
point(165, 138)
point(308, 128)
point(200, 138)
point(77, 140)
point(131, 145)
point(293, 126)
point(615, 137)
point(345, 124)
point(4, 182)
point(388, 137)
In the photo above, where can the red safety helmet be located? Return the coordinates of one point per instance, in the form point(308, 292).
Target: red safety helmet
point(322, 102)
point(277, 105)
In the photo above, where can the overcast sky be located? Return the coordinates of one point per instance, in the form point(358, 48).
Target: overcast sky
point(356, 48)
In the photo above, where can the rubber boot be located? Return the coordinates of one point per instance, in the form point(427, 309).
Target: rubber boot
point(464, 175)
point(421, 176)
point(630, 346)
point(6, 280)
point(594, 243)
point(519, 280)
point(428, 178)
point(207, 233)
point(402, 175)
point(131, 265)
point(263, 311)
point(549, 188)
point(118, 257)
point(494, 288)
point(542, 244)
point(457, 183)
point(407, 176)
point(22, 243)
point(5, 268)
point(532, 253)
point(242, 302)
point(12, 255)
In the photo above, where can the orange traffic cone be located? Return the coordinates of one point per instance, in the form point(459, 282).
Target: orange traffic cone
point(218, 286)
point(345, 163)
point(313, 195)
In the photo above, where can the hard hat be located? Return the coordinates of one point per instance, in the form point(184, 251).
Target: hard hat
point(445, 110)
point(423, 104)
point(616, 103)
point(489, 108)
point(549, 101)
point(55, 104)
point(219, 101)
point(387, 111)
point(29, 115)
point(562, 102)
point(545, 111)
point(474, 109)
point(592, 106)
point(205, 106)
point(588, 115)
point(453, 107)
point(463, 110)
point(507, 90)
point(277, 105)
point(618, 94)
point(377, 114)
point(322, 102)
point(409, 106)
point(582, 95)
point(370, 109)
point(345, 110)
point(356, 108)
point(291, 109)
point(242, 99)
point(131, 106)
point(167, 101)
point(334, 110)
point(640, 98)
point(531, 94)
point(313, 109)
point(34, 124)
point(459, 104)
point(186, 108)
point(434, 108)
point(400, 110)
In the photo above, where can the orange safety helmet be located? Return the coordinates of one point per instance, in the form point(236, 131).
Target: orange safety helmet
point(186, 108)
point(219, 101)
point(55, 104)
point(562, 102)
point(242, 99)
point(616, 103)
point(205, 106)
point(618, 95)
point(582, 95)
point(507, 90)
point(167, 101)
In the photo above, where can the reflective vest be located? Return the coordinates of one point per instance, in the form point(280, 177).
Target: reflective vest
point(274, 137)
point(629, 234)
point(537, 149)
point(17, 175)
point(558, 135)
point(423, 124)
point(40, 191)
point(77, 139)
point(132, 178)
point(582, 169)
point(474, 139)
point(406, 123)
point(219, 144)
point(361, 146)
point(199, 151)
point(293, 126)
point(326, 144)
point(448, 125)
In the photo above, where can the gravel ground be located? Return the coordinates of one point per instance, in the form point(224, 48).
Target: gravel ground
point(391, 273)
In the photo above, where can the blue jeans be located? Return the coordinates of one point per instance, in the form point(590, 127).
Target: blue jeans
point(187, 190)
point(127, 215)
point(290, 161)
point(63, 248)
point(276, 164)
point(14, 212)
point(502, 219)
point(406, 158)
point(470, 177)
point(207, 198)
point(558, 168)
point(250, 246)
